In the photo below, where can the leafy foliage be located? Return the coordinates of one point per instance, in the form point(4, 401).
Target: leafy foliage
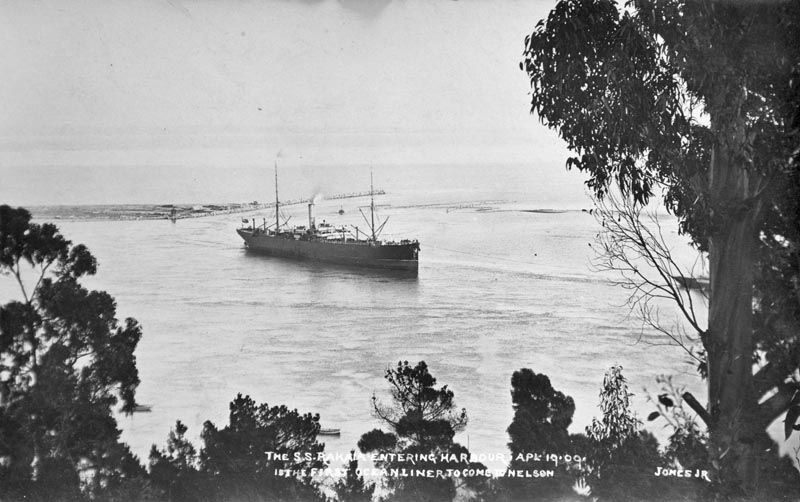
point(235, 462)
point(777, 292)
point(175, 470)
point(353, 488)
point(688, 443)
point(619, 422)
point(700, 99)
point(622, 457)
point(631, 91)
point(599, 78)
point(416, 399)
point(236, 456)
point(423, 421)
point(542, 416)
point(65, 363)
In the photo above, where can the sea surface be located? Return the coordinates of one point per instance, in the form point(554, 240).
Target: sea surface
point(505, 282)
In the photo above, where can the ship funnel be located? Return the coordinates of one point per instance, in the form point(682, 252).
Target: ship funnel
point(311, 215)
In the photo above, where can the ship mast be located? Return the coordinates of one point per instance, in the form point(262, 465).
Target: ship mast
point(277, 215)
point(372, 206)
point(371, 220)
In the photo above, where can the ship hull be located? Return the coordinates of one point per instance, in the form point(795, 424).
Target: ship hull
point(402, 256)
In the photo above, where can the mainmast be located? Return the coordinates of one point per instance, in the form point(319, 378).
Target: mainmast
point(277, 215)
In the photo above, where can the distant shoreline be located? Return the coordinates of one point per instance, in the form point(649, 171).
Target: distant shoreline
point(174, 212)
point(134, 212)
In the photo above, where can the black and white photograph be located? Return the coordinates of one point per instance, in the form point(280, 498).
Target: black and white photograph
point(399, 250)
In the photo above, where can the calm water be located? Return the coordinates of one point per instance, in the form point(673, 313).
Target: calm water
point(499, 288)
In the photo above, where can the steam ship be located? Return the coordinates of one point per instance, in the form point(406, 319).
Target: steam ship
point(324, 242)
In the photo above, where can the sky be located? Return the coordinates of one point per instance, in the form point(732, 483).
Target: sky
point(122, 83)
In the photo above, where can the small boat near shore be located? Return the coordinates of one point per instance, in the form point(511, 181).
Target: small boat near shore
point(329, 432)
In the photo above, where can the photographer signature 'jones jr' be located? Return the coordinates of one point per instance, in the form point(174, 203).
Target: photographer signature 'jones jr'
point(682, 473)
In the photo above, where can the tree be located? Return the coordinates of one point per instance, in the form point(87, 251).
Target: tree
point(129, 483)
point(541, 418)
point(698, 97)
point(615, 460)
point(353, 488)
point(423, 422)
point(237, 456)
point(622, 458)
point(175, 470)
point(65, 363)
point(264, 453)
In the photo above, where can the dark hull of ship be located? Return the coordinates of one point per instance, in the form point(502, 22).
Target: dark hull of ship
point(386, 256)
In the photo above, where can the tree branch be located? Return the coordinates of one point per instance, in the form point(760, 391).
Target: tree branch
point(17, 275)
point(697, 407)
point(773, 407)
point(648, 269)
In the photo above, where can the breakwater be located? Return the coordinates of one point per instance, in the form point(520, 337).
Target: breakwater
point(168, 211)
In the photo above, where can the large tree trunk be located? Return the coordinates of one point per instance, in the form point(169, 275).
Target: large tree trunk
point(729, 342)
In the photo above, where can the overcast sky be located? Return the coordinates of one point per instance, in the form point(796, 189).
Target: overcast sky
point(127, 82)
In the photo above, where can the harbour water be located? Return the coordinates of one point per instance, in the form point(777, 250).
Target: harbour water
point(502, 285)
